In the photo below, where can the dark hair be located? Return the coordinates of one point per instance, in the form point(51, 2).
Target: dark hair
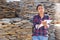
point(38, 6)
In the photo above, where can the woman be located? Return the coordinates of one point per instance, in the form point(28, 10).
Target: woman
point(40, 26)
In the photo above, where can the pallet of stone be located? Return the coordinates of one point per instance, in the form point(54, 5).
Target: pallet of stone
point(7, 7)
point(14, 30)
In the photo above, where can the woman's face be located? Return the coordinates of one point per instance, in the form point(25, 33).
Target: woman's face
point(41, 9)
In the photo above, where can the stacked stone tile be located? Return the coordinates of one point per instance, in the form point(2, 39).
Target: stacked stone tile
point(9, 9)
point(57, 24)
point(18, 30)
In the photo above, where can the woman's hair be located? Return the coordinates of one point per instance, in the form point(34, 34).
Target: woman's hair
point(38, 6)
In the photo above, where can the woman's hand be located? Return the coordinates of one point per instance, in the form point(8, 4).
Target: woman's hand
point(44, 23)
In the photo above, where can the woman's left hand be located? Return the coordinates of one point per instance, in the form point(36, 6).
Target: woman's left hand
point(44, 23)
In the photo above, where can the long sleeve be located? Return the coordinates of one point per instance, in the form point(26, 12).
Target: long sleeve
point(34, 21)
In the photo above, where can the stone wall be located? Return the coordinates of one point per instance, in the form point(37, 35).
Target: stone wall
point(18, 30)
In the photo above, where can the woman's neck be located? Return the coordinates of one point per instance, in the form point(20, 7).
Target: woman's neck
point(41, 15)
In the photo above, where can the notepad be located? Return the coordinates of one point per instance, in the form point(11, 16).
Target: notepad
point(48, 21)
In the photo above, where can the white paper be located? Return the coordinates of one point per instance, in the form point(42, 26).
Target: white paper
point(38, 26)
point(48, 21)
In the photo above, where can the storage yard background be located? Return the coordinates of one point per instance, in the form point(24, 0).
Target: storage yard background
point(16, 19)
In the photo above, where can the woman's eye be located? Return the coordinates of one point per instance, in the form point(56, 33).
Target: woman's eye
point(40, 8)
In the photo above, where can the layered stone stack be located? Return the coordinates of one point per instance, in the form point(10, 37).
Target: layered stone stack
point(57, 19)
point(9, 9)
point(18, 30)
point(27, 7)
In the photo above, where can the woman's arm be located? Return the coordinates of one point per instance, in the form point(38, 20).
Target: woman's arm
point(36, 23)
